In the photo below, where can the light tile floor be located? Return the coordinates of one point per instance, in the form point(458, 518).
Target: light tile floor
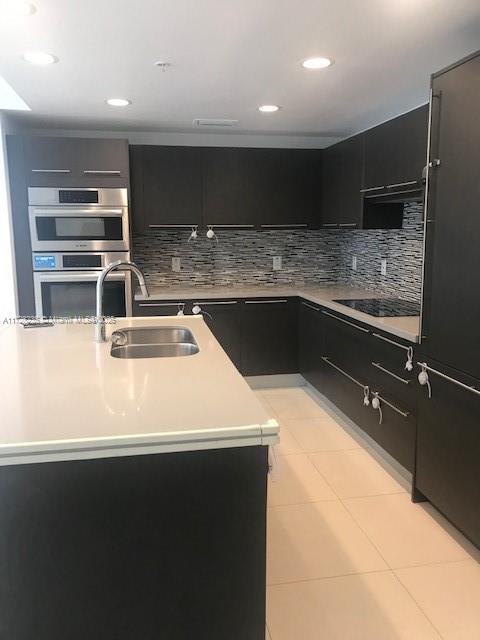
point(350, 557)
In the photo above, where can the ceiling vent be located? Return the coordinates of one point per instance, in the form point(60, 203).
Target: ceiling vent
point(214, 122)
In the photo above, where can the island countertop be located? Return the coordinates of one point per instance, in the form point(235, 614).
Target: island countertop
point(64, 397)
point(406, 327)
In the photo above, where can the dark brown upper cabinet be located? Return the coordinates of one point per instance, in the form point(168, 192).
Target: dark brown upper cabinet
point(396, 152)
point(166, 186)
point(75, 162)
point(341, 184)
point(263, 188)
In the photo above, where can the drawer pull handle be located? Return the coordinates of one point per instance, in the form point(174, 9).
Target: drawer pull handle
point(51, 171)
point(265, 301)
point(172, 226)
point(424, 366)
point(372, 189)
point(377, 404)
point(210, 304)
point(310, 306)
point(159, 304)
point(390, 373)
point(330, 224)
point(396, 344)
point(347, 224)
point(101, 172)
point(282, 226)
point(344, 373)
point(351, 324)
point(401, 184)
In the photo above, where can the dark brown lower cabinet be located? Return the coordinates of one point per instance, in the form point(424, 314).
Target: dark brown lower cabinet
point(310, 343)
point(448, 449)
point(270, 336)
point(154, 546)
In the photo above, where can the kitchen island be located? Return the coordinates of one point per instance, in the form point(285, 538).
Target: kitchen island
point(132, 491)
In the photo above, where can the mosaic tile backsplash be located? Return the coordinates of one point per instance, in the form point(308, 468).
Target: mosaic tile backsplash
point(244, 258)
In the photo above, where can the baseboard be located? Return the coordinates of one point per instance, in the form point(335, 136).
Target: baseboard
point(276, 381)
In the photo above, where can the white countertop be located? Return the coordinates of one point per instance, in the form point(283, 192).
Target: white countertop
point(64, 397)
point(407, 327)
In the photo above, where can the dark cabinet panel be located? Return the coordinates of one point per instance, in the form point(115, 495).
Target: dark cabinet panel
point(224, 318)
point(270, 336)
point(448, 449)
point(166, 186)
point(54, 162)
point(310, 343)
point(347, 343)
point(395, 151)
point(451, 300)
point(341, 184)
point(228, 198)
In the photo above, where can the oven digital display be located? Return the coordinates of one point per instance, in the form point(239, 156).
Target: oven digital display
point(77, 196)
point(44, 262)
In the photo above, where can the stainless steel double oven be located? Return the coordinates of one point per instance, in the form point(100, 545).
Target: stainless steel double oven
point(75, 233)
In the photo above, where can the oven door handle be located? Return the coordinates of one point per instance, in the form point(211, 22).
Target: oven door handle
point(75, 277)
point(75, 213)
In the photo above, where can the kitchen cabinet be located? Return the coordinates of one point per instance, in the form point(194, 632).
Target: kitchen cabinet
point(310, 343)
point(341, 184)
point(451, 310)
point(448, 448)
point(267, 188)
point(347, 343)
point(224, 319)
point(166, 187)
point(75, 162)
point(395, 152)
point(270, 336)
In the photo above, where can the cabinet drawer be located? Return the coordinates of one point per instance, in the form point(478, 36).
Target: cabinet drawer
point(347, 343)
point(388, 375)
point(159, 308)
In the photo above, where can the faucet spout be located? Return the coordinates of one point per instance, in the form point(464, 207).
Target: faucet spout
point(100, 335)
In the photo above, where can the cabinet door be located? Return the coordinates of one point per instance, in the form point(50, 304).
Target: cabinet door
point(171, 186)
point(223, 318)
point(284, 187)
point(331, 187)
point(50, 162)
point(160, 308)
point(451, 302)
point(395, 151)
point(448, 450)
point(310, 343)
point(102, 160)
point(347, 344)
point(269, 337)
point(351, 155)
point(227, 196)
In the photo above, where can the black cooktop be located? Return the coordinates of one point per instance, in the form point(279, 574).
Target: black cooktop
point(383, 307)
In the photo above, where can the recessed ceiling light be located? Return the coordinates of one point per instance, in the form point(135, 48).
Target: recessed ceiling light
point(317, 63)
point(118, 102)
point(268, 108)
point(39, 58)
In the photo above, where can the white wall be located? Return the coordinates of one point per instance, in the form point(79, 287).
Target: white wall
point(8, 303)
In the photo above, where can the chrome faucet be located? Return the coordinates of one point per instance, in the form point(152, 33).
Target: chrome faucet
point(119, 264)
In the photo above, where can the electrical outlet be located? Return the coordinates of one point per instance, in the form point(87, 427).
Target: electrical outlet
point(277, 263)
point(383, 267)
point(354, 263)
point(175, 264)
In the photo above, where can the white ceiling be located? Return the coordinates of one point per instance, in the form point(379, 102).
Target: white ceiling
point(228, 57)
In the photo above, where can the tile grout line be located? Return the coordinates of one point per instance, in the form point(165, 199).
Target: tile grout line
point(420, 608)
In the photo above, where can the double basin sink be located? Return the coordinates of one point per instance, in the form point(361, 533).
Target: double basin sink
point(153, 342)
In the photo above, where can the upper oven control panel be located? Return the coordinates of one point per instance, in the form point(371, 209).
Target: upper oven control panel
point(56, 261)
point(77, 196)
point(57, 196)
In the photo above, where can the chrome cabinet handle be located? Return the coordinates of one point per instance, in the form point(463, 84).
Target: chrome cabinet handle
point(424, 366)
point(102, 172)
point(347, 224)
point(279, 226)
point(401, 184)
point(211, 304)
point(159, 304)
point(265, 301)
point(375, 394)
point(310, 306)
point(396, 344)
point(330, 224)
point(351, 324)
point(344, 373)
point(172, 226)
point(51, 171)
point(372, 189)
point(390, 373)
point(231, 226)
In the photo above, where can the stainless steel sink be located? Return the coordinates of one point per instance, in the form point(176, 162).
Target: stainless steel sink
point(153, 342)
